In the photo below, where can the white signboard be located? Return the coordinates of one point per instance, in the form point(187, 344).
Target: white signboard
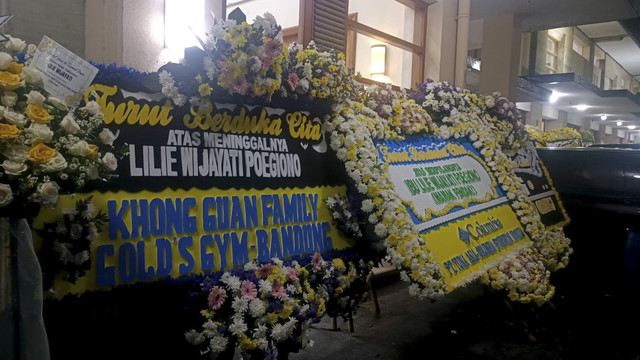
point(64, 73)
point(436, 185)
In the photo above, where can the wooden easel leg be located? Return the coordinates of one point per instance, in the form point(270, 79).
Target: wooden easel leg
point(350, 322)
point(374, 296)
point(334, 323)
point(513, 311)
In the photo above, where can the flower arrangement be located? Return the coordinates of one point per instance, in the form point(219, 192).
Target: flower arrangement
point(505, 112)
point(320, 75)
point(244, 59)
point(443, 101)
point(345, 217)
point(587, 137)
point(404, 114)
point(536, 135)
point(256, 308)
point(65, 252)
point(346, 285)
point(46, 147)
point(524, 277)
point(565, 137)
point(267, 309)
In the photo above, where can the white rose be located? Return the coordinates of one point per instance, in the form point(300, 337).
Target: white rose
point(48, 192)
point(15, 118)
point(31, 76)
point(6, 195)
point(9, 99)
point(110, 161)
point(93, 107)
point(5, 60)
point(75, 232)
point(57, 103)
point(69, 124)
point(79, 149)
point(15, 44)
point(106, 136)
point(58, 163)
point(35, 98)
point(99, 117)
point(92, 173)
point(17, 153)
point(13, 167)
point(40, 132)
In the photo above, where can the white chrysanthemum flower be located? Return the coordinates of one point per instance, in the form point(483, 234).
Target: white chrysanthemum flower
point(238, 327)
point(232, 282)
point(265, 286)
point(239, 304)
point(218, 343)
point(194, 337)
point(257, 308)
point(250, 266)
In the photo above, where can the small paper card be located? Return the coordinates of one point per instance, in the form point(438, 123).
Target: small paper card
point(64, 73)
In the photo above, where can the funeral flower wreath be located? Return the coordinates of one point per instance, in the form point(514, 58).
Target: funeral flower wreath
point(251, 60)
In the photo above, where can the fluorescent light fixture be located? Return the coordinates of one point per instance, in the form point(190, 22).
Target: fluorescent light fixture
point(476, 64)
point(183, 19)
point(619, 123)
point(378, 59)
point(553, 83)
point(603, 117)
point(554, 96)
point(636, 176)
point(631, 127)
point(582, 107)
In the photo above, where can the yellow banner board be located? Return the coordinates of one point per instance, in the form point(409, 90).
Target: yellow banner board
point(176, 233)
point(470, 245)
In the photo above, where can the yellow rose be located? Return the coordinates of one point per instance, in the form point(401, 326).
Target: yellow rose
point(15, 68)
point(9, 132)
point(38, 114)
point(93, 151)
point(41, 154)
point(9, 81)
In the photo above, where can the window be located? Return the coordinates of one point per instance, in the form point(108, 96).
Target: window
point(551, 62)
point(581, 47)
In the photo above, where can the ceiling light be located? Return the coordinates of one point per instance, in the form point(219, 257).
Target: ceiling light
point(582, 107)
point(554, 97)
point(619, 123)
point(631, 127)
point(603, 117)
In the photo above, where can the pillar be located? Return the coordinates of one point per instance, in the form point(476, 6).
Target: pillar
point(462, 42)
point(441, 40)
point(501, 38)
point(536, 115)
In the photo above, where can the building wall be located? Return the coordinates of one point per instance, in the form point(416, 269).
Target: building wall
point(613, 71)
point(143, 35)
point(287, 13)
point(62, 21)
